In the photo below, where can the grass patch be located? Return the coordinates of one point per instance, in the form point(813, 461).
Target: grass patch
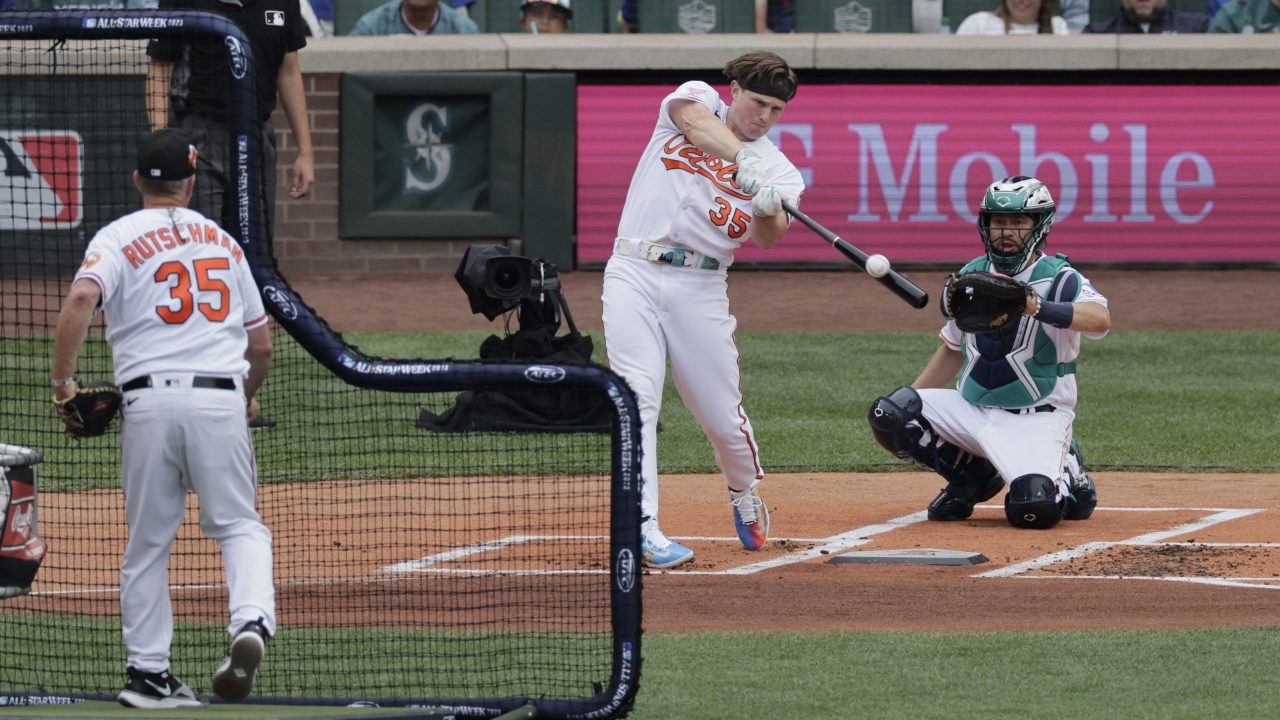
point(1184, 401)
point(1203, 674)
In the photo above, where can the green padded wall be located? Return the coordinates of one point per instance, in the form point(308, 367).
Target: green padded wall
point(846, 16)
point(955, 11)
point(347, 12)
point(696, 16)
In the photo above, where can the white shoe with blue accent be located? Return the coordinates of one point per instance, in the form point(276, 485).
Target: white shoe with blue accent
point(750, 518)
point(659, 551)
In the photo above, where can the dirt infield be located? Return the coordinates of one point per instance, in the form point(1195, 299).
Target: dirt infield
point(1162, 551)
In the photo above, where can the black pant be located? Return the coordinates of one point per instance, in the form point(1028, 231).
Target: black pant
point(215, 172)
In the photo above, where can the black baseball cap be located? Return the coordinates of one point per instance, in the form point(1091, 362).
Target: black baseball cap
point(166, 155)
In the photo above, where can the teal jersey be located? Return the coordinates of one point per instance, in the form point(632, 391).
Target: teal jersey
point(387, 19)
point(1028, 363)
point(1247, 16)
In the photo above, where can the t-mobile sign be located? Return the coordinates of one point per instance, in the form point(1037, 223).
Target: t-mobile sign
point(1141, 174)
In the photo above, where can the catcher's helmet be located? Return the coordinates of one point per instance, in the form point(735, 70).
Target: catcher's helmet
point(1019, 195)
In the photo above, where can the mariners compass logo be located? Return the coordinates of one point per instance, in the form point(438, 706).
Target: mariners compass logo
point(429, 162)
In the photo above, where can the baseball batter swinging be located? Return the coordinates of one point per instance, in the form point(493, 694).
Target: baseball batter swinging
point(708, 180)
point(190, 345)
point(1009, 417)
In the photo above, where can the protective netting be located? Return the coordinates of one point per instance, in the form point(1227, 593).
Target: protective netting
point(411, 566)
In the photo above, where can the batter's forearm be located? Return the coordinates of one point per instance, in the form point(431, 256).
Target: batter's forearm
point(159, 78)
point(769, 229)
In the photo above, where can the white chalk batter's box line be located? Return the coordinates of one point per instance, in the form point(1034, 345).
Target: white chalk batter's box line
point(1160, 538)
point(858, 537)
point(834, 545)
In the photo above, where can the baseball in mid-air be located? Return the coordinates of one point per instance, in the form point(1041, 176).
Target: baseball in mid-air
point(877, 266)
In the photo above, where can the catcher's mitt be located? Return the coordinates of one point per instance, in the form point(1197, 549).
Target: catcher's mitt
point(983, 301)
point(90, 411)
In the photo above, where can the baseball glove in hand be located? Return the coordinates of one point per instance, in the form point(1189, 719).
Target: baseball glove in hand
point(983, 301)
point(90, 411)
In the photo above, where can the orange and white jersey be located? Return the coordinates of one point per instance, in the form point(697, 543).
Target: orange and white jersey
point(177, 293)
point(685, 197)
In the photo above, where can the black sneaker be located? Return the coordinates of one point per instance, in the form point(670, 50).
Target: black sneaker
point(156, 691)
point(234, 678)
point(1084, 494)
point(262, 422)
point(956, 501)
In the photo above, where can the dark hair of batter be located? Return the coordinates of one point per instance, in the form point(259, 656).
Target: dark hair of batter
point(765, 73)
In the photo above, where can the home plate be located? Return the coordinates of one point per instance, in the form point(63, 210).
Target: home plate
point(913, 556)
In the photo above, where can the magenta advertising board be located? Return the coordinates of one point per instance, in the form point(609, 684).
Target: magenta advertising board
point(1141, 174)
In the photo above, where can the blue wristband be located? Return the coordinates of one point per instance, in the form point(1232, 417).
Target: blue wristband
point(1057, 314)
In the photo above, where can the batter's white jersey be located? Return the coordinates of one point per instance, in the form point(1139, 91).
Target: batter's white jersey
point(194, 276)
point(685, 197)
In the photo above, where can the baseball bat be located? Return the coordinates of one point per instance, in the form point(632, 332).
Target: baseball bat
point(899, 285)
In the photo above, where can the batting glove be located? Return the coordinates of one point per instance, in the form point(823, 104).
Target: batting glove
point(766, 202)
point(749, 174)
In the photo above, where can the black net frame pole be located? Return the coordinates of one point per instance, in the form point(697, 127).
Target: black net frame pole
point(357, 369)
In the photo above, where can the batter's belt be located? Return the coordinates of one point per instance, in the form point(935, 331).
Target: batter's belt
point(665, 254)
point(200, 381)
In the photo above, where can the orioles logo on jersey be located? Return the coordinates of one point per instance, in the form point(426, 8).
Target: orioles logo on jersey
point(681, 154)
point(90, 260)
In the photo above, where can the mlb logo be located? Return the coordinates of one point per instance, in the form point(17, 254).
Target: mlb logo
point(275, 18)
point(42, 186)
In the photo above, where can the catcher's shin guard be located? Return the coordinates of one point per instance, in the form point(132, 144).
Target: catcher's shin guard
point(21, 549)
point(1033, 502)
point(899, 425)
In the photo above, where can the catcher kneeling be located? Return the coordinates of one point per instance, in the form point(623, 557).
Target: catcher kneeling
point(1014, 321)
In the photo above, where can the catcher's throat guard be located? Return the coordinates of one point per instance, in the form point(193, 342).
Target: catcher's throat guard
point(21, 549)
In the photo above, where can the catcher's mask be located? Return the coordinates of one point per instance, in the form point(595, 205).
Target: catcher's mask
point(1019, 195)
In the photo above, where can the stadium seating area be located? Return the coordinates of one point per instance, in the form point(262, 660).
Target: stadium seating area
point(682, 16)
point(732, 16)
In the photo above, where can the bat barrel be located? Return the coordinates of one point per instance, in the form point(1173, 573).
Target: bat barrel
point(898, 285)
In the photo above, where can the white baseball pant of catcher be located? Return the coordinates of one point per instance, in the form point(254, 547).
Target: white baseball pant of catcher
point(1017, 444)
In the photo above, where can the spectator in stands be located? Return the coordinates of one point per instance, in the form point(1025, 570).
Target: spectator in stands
point(627, 16)
point(414, 17)
point(1017, 17)
point(1215, 6)
point(1247, 16)
point(546, 16)
point(1152, 17)
point(775, 16)
point(1075, 12)
point(324, 15)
